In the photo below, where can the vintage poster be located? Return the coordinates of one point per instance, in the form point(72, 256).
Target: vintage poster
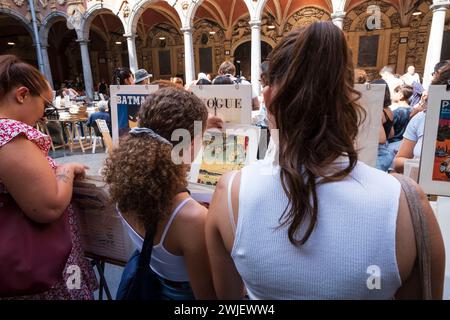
point(230, 149)
point(233, 103)
point(372, 97)
point(441, 169)
point(434, 176)
point(222, 153)
point(125, 104)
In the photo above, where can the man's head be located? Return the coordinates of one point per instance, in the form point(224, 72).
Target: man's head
point(386, 72)
point(227, 67)
point(411, 70)
point(102, 106)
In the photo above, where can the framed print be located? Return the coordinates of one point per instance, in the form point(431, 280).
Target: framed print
point(224, 150)
point(434, 176)
point(233, 103)
point(372, 97)
point(125, 104)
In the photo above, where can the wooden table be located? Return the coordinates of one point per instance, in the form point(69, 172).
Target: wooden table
point(73, 133)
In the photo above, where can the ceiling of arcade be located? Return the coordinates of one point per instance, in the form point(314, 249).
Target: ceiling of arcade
point(224, 24)
point(227, 16)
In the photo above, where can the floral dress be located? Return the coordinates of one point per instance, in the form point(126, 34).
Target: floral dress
point(9, 129)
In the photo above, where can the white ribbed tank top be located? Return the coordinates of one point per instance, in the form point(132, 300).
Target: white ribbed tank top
point(354, 238)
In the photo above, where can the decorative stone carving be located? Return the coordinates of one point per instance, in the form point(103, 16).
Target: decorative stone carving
point(43, 3)
point(306, 16)
point(180, 60)
point(271, 33)
point(19, 3)
point(125, 8)
point(241, 29)
point(216, 40)
point(393, 49)
point(416, 52)
point(75, 16)
point(360, 13)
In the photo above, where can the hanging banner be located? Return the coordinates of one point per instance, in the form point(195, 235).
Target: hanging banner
point(125, 104)
point(372, 97)
point(434, 176)
point(233, 103)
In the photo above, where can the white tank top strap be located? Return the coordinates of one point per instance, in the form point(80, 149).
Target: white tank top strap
point(174, 214)
point(230, 204)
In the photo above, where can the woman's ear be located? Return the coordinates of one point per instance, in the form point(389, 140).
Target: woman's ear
point(21, 94)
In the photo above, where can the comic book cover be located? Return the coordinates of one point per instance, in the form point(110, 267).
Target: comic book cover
point(441, 168)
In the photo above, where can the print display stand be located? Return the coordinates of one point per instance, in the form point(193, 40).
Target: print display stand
point(236, 146)
point(434, 176)
point(434, 173)
point(443, 218)
point(102, 234)
point(125, 104)
point(233, 103)
point(372, 96)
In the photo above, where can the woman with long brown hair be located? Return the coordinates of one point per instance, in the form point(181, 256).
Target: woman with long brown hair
point(319, 224)
point(150, 191)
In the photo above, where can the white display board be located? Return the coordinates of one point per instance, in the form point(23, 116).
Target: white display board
point(233, 103)
point(125, 104)
point(434, 176)
point(372, 97)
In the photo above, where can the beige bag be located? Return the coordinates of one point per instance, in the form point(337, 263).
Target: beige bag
point(423, 246)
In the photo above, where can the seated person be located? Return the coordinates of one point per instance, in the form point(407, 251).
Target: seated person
point(411, 146)
point(101, 114)
point(150, 192)
point(385, 155)
point(402, 114)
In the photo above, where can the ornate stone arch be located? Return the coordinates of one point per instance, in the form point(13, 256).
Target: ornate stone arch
point(17, 16)
point(356, 18)
point(48, 22)
point(136, 12)
point(94, 11)
point(172, 35)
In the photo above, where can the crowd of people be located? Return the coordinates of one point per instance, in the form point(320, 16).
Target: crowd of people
point(311, 229)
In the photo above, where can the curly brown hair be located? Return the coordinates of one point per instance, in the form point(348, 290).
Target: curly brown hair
point(140, 173)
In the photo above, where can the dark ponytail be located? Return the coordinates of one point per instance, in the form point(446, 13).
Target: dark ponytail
point(120, 75)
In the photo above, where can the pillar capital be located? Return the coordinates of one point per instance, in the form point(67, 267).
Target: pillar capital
point(187, 29)
point(83, 41)
point(130, 36)
point(255, 24)
point(340, 15)
point(440, 6)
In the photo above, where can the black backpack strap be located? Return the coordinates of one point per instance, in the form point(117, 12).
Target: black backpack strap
point(146, 250)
